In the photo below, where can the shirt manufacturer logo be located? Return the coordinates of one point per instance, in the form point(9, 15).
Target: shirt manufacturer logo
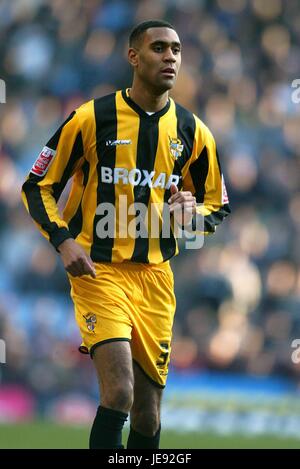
point(114, 143)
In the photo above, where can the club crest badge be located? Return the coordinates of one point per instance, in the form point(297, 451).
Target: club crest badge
point(176, 147)
point(91, 320)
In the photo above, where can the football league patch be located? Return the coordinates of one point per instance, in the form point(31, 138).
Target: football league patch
point(41, 165)
point(225, 199)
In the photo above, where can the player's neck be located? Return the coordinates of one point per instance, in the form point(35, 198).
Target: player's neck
point(147, 100)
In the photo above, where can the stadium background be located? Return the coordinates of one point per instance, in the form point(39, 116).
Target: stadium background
point(238, 297)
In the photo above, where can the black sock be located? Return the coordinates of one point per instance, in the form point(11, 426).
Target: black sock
point(137, 440)
point(107, 428)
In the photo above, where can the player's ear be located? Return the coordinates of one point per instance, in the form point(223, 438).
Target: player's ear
point(133, 56)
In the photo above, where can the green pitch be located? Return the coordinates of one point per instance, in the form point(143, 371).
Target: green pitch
point(46, 435)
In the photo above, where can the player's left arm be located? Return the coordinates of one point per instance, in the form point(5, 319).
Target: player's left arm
point(202, 176)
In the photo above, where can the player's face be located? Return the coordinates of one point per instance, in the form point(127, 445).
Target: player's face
point(157, 58)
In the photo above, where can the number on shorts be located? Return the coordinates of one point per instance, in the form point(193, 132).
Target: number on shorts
point(163, 358)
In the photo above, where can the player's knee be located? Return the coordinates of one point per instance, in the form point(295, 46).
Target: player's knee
point(146, 422)
point(120, 397)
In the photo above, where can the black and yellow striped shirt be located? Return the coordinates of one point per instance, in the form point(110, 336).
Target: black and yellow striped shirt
point(112, 148)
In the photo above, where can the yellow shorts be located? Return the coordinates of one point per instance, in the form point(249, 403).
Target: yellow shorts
point(133, 302)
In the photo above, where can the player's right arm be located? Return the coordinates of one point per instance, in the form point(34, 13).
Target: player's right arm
point(76, 261)
point(62, 156)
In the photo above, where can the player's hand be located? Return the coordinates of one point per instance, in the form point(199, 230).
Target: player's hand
point(182, 205)
point(76, 261)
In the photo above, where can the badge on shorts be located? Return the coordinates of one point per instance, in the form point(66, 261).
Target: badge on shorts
point(91, 320)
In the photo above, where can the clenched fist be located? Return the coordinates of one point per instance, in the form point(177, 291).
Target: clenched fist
point(182, 205)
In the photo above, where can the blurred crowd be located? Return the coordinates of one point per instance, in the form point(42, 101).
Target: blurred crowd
point(238, 298)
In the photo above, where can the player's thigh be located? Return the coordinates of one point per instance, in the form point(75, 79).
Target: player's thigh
point(113, 363)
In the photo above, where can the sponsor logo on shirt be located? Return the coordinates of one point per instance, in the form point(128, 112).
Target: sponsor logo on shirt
point(41, 165)
point(138, 177)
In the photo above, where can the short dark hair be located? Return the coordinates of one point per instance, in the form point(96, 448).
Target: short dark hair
point(139, 30)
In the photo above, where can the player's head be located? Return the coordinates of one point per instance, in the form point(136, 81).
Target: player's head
point(155, 54)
